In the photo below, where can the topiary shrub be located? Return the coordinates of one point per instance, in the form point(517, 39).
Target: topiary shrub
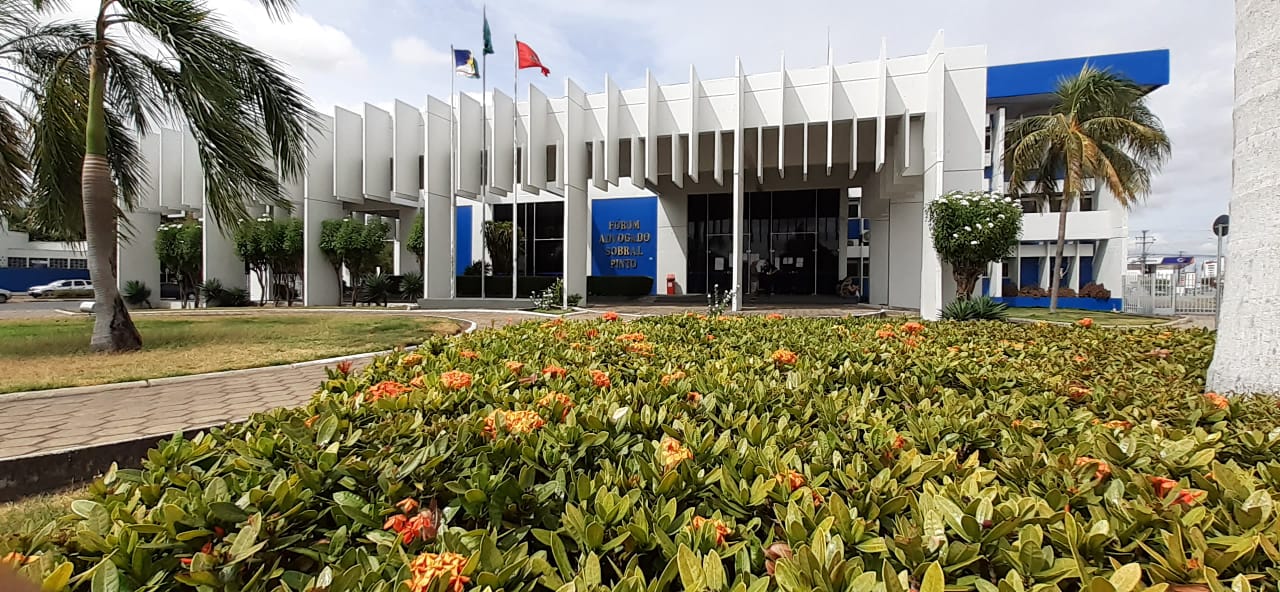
point(982, 308)
point(1096, 291)
point(1033, 291)
point(971, 230)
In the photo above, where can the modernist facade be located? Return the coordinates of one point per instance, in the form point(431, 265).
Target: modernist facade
point(813, 174)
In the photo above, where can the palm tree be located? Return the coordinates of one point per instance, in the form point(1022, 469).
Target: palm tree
point(1098, 128)
point(1247, 356)
point(91, 91)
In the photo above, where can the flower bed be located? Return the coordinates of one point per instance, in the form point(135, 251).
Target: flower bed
point(738, 454)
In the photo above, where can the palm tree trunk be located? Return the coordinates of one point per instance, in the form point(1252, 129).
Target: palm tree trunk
point(113, 329)
point(1055, 272)
point(1247, 356)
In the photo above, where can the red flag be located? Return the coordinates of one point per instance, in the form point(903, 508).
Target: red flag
point(529, 59)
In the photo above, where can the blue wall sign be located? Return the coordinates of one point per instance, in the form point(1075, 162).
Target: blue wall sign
point(624, 237)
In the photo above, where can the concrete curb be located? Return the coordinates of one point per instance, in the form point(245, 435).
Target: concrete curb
point(470, 327)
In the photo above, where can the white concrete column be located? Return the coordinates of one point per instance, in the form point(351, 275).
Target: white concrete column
point(737, 195)
point(673, 241)
point(136, 255)
point(406, 261)
point(220, 259)
point(321, 285)
point(1109, 261)
point(440, 207)
point(577, 214)
point(997, 152)
point(876, 209)
point(995, 271)
point(1075, 269)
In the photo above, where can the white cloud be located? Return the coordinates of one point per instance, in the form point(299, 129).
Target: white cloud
point(302, 42)
point(414, 51)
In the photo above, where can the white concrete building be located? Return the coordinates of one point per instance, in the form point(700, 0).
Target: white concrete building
point(820, 172)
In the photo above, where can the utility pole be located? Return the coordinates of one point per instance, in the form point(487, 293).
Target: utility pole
point(1145, 242)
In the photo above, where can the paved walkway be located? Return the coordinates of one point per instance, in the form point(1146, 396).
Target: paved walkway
point(57, 421)
point(67, 419)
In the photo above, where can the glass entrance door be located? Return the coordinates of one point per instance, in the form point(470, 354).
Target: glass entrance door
point(794, 257)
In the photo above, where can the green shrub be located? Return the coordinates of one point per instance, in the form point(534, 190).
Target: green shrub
point(136, 293)
point(216, 295)
point(376, 288)
point(983, 308)
point(706, 454)
point(411, 286)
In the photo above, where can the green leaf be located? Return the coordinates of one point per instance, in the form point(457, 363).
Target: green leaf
point(690, 570)
point(228, 512)
point(1127, 577)
point(105, 578)
point(245, 543)
point(57, 581)
point(933, 580)
point(713, 571)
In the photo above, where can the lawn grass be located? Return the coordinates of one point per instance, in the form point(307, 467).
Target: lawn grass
point(51, 353)
point(1063, 315)
point(31, 513)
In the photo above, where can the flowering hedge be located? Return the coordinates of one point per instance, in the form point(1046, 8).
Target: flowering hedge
point(743, 454)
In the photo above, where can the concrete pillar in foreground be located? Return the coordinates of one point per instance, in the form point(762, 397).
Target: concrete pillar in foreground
point(577, 218)
point(406, 261)
point(673, 241)
point(136, 258)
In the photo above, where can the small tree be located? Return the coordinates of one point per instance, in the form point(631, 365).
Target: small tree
point(418, 239)
point(971, 230)
point(256, 243)
point(354, 245)
point(180, 248)
point(286, 263)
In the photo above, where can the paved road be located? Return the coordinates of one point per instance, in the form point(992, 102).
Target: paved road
point(22, 307)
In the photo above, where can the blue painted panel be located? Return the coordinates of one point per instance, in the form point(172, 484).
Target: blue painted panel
point(463, 235)
point(857, 226)
point(1147, 68)
point(1086, 270)
point(18, 279)
point(1029, 273)
point(1075, 303)
point(986, 286)
point(624, 237)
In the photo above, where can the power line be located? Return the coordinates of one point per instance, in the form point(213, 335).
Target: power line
point(1145, 242)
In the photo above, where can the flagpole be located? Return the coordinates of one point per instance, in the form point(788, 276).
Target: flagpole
point(453, 188)
point(484, 160)
point(515, 184)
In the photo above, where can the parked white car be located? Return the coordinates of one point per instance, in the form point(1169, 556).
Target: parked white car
point(5, 295)
point(62, 289)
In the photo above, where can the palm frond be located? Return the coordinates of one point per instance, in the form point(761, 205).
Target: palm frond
point(249, 118)
point(14, 164)
point(1128, 180)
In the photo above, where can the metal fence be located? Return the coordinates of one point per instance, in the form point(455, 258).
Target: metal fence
point(1165, 295)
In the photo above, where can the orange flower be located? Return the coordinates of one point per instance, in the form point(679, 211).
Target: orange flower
point(412, 359)
point(1189, 497)
point(468, 354)
point(343, 367)
point(1077, 391)
point(631, 337)
point(15, 559)
point(1193, 564)
point(426, 568)
point(1217, 400)
point(640, 348)
point(600, 379)
point(899, 442)
point(1163, 486)
point(1085, 322)
point(792, 479)
point(711, 337)
point(721, 529)
point(784, 357)
point(514, 422)
point(555, 371)
point(553, 323)
point(386, 389)
point(418, 527)
point(418, 382)
point(885, 333)
point(912, 341)
point(455, 379)
point(1118, 424)
point(592, 333)
point(1017, 423)
point(311, 420)
point(1080, 359)
point(671, 453)
point(610, 316)
point(955, 349)
point(674, 376)
point(395, 523)
point(694, 397)
point(552, 399)
point(515, 367)
point(407, 505)
point(912, 328)
point(1103, 471)
point(773, 316)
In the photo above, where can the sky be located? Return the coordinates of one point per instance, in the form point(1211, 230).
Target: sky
point(346, 52)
